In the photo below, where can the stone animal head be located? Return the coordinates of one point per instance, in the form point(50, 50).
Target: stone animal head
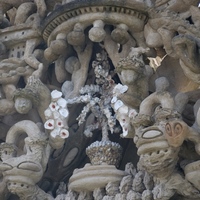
point(24, 156)
point(159, 129)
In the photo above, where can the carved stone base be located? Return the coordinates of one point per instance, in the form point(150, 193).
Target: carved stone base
point(91, 177)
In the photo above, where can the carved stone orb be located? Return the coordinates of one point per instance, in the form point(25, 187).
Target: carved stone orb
point(23, 105)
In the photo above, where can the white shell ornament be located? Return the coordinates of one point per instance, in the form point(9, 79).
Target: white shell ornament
point(123, 109)
point(59, 123)
point(55, 95)
point(48, 113)
point(55, 132)
point(114, 99)
point(62, 102)
point(56, 115)
point(53, 106)
point(64, 133)
point(64, 112)
point(118, 104)
point(120, 89)
point(49, 124)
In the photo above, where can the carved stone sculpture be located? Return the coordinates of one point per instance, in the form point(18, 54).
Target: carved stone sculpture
point(22, 170)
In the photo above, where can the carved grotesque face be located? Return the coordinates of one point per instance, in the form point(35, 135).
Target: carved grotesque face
point(22, 170)
point(156, 153)
point(23, 105)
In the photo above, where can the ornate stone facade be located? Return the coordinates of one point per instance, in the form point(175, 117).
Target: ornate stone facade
point(99, 100)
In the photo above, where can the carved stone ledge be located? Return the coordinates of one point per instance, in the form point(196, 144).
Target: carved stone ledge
point(87, 11)
point(91, 177)
point(17, 34)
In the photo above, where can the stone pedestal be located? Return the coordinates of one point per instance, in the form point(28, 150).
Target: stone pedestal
point(94, 176)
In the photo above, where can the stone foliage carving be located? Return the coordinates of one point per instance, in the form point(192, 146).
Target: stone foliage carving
point(101, 80)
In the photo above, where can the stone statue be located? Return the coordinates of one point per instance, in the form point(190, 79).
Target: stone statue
point(165, 115)
point(23, 166)
point(35, 94)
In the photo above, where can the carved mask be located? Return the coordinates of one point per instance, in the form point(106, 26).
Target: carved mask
point(21, 171)
point(156, 154)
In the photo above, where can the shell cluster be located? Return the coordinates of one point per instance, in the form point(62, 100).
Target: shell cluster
point(56, 115)
point(101, 68)
point(101, 152)
point(123, 113)
point(97, 98)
